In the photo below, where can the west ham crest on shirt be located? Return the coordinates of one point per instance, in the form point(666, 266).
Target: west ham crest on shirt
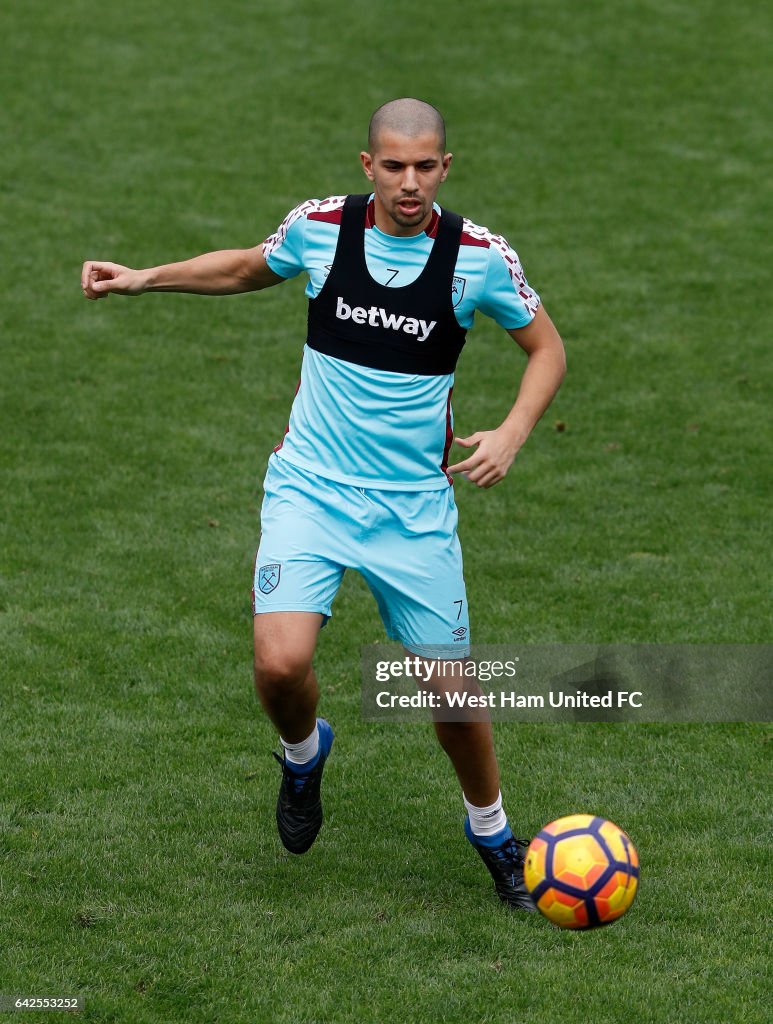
point(457, 290)
point(268, 577)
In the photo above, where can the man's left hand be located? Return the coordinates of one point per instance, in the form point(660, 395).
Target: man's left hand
point(494, 455)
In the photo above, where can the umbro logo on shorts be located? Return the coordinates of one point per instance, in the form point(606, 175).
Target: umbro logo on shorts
point(268, 577)
point(459, 633)
point(377, 316)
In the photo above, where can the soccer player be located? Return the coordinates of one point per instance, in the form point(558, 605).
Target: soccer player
point(361, 479)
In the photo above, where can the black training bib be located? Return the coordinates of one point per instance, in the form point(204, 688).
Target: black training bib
point(412, 329)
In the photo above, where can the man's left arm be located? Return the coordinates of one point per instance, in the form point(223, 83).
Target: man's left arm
point(496, 449)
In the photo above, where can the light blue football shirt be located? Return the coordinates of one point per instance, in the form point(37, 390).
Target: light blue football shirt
point(377, 428)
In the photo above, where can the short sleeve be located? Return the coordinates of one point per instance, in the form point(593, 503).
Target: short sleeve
point(507, 297)
point(283, 251)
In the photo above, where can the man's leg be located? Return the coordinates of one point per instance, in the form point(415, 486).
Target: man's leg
point(288, 691)
point(414, 569)
point(284, 679)
point(470, 748)
point(468, 741)
point(464, 733)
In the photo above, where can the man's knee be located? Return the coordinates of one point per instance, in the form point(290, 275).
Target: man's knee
point(277, 675)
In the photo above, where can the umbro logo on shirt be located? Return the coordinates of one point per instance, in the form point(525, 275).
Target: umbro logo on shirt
point(376, 316)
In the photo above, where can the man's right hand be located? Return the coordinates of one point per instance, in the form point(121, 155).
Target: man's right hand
point(99, 279)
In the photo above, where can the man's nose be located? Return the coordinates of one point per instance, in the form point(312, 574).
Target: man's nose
point(410, 183)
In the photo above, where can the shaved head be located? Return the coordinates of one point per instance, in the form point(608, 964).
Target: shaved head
point(408, 117)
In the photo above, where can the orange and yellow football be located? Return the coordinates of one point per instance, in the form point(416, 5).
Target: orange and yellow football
point(582, 871)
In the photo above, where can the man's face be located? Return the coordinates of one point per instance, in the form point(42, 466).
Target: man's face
point(406, 173)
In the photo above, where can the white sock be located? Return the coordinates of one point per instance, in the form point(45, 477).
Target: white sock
point(486, 821)
point(303, 752)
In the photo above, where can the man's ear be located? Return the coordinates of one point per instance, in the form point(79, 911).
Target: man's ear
point(367, 164)
point(446, 165)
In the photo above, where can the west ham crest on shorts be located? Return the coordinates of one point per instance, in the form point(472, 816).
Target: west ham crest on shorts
point(268, 577)
point(457, 290)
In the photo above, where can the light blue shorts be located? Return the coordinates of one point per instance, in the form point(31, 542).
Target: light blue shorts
point(403, 542)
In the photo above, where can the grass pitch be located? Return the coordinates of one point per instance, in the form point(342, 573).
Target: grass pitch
point(620, 152)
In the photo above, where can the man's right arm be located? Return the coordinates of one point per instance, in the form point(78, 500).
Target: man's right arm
point(227, 272)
